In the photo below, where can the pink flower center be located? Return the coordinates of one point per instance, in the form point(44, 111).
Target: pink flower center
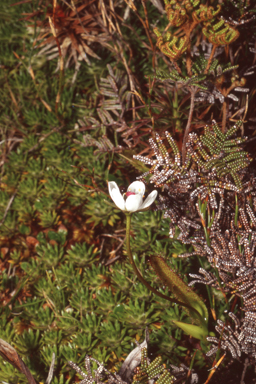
point(129, 193)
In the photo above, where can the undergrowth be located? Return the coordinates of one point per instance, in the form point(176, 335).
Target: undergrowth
point(85, 86)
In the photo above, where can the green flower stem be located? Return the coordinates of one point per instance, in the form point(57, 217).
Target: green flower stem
point(141, 278)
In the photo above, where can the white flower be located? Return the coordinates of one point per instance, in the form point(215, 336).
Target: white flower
point(132, 200)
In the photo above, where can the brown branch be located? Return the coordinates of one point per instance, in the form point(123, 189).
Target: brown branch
point(185, 138)
point(9, 354)
point(210, 59)
point(224, 117)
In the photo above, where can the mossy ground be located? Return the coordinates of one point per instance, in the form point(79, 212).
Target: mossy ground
point(66, 284)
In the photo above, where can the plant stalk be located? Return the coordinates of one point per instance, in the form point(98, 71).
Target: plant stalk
point(185, 138)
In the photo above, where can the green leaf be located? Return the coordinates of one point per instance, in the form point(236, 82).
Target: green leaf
point(193, 330)
point(180, 290)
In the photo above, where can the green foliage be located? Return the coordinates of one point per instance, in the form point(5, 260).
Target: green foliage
point(212, 153)
point(82, 301)
point(81, 255)
point(113, 333)
point(136, 314)
point(164, 341)
point(28, 341)
point(185, 81)
point(121, 278)
point(65, 286)
point(107, 301)
point(187, 15)
point(99, 211)
point(148, 371)
point(219, 36)
point(202, 74)
point(146, 227)
point(195, 306)
point(72, 314)
point(52, 255)
point(222, 153)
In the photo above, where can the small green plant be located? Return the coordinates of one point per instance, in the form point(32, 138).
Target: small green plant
point(184, 296)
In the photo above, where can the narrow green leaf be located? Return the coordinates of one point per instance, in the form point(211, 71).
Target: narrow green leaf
point(193, 330)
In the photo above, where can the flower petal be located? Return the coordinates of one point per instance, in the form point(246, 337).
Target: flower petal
point(137, 187)
point(149, 200)
point(133, 203)
point(115, 195)
point(112, 185)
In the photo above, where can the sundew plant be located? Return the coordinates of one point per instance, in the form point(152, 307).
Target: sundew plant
point(127, 191)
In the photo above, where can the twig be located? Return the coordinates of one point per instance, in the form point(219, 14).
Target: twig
point(246, 363)
point(224, 116)
point(210, 59)
point(52, 23)
point(111, 261)
point(185, 138)
point(8, 207)
point(50, 374)
point(214, 368)
point(9, 354)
